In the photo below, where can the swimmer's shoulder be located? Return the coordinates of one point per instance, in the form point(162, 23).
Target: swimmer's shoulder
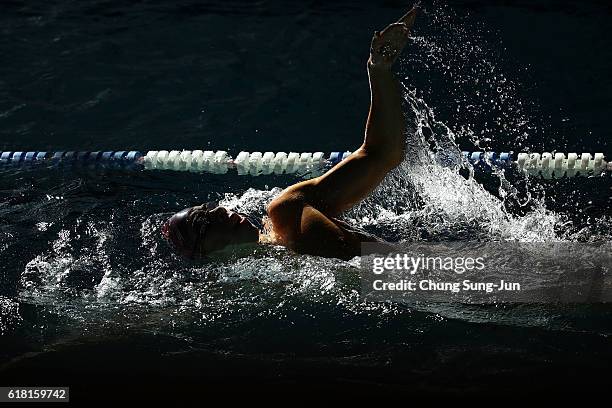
point(284, 215)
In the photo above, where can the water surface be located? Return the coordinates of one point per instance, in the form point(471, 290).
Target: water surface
point(90, 293)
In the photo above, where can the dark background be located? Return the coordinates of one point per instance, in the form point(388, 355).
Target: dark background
point(273, 75)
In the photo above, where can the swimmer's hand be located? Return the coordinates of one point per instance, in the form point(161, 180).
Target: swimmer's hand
point(387, 45)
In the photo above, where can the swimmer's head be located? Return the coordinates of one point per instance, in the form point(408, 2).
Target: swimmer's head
point(197, 231)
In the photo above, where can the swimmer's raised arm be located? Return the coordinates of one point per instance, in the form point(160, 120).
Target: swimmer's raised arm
point(303, 215)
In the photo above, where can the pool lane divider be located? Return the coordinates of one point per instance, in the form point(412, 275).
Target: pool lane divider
point(545, 165)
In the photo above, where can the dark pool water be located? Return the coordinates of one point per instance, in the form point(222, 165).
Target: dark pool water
point(90, 294)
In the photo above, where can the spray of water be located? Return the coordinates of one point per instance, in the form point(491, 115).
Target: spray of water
point(91, 273)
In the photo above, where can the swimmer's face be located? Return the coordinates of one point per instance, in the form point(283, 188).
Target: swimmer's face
point(197, 231)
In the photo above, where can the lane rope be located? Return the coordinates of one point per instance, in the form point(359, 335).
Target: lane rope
point(545, 165)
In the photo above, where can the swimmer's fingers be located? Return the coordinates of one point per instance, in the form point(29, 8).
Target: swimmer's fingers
point(408, 18)
point(387, 45)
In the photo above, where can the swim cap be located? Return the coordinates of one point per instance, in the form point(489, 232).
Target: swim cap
point(181, 236)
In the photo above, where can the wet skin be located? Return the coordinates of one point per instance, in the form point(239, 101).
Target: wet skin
point(303, 216)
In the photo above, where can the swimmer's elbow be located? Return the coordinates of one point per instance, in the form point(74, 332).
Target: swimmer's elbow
point(387, 158)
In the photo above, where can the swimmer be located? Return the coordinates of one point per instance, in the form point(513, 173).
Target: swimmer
point(304, 216)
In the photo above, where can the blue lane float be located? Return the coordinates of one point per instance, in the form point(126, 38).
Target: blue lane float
point(119, 159)
point(490, 159)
